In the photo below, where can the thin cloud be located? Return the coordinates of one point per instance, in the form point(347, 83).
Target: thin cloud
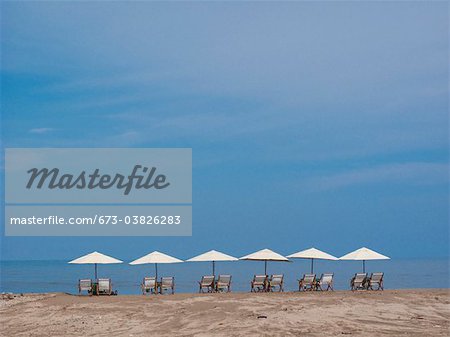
point(416, 173)
point(41, 130)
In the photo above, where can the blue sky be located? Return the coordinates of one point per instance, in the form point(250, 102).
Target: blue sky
point(312, 123)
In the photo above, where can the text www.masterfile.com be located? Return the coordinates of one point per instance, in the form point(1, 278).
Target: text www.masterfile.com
point(99, 220)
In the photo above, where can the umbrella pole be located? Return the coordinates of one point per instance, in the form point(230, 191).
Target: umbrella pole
point(312, 266)
point(95, 270)
point(156, 271)
point(364, 266)
point(265, 267)
point(214, 268)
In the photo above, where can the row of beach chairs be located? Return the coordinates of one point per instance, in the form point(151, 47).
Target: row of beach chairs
point(260, 283)
point(362, 281)
point(209, 284)
point(152, 286)
point(309, 282)
point(264, 283)
point(102, 286)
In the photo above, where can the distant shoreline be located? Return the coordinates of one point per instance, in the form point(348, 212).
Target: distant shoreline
point(233, 292)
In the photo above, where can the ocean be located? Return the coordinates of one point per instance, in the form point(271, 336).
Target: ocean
point(59, 276)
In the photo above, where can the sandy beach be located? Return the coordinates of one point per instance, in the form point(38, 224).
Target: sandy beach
point(387, 313)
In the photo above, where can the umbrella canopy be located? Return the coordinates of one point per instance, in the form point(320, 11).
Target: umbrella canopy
point(363, 254)
point(156, 257)
point(95, 258)
point(212, 256)
point(313, 253)
point(265, 255)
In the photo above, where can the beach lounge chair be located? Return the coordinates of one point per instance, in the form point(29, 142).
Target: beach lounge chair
point(376, 279)
point(104, 286)
point(307, 283)
point(206, 283)
point(359, 281)
point(259, 283)
point(167, 283)
point(85, 285)
point(325, 282)
point(224, 282)
point(149, 285)
point(276, 281)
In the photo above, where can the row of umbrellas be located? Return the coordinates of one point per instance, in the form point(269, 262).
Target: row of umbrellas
point(363, 254)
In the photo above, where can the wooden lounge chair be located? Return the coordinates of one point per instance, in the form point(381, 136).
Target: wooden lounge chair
point(104, 286)
point(307, 283)
point(376, 279)
point(223, 282)
point(149, 285)
point(85, 285)
point(167, 283)
point(359, 281)
point(259, 283)
point(276, 281)
point(325, 282)
point(206, 283)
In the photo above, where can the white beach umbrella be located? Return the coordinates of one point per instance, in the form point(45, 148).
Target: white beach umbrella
point(212, 256)
point(363, 254)
point(265, 255)
point(95, 258)
point(156, 257)
point(313, 253)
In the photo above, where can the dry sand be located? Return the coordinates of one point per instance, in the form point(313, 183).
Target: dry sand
point(375, 313)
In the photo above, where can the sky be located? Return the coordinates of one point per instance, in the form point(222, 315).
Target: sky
point(318, 124)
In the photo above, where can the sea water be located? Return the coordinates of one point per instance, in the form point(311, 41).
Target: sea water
point(59, 276)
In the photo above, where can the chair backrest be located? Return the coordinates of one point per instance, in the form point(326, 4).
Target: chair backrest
point(207, 280)
point(309, 278)
point(276, 279)
point(149, 282)
point(376, 277)
point(224, 279)
point(326, 279)
point(259, 279)
point(85, 284)
point(104, 284)
point(167, 281)
point(360, 277)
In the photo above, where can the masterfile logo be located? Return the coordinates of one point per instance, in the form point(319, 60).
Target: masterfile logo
point(53, 179)
point(143, 175)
